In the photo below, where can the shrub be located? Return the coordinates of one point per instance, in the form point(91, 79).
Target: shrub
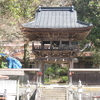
point(46, 80)
point(64, 79)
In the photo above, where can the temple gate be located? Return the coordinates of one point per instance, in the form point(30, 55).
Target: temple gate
point(55, 34)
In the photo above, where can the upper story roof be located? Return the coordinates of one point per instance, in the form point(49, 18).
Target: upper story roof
point(56, 17)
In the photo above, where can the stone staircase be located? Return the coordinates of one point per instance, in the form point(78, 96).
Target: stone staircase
point(54, 93)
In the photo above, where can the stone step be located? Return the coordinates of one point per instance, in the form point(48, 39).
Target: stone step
point(53, 91)
point(53, 94)
point(52, 98)
point(53, 88)
point(59, 93)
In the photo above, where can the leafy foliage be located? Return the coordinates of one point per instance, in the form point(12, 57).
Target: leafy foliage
point(3, 64)
point(56, 72)
point(19, 8)
point(89, 11)
point(96, 57)
point(49, 71)
point(13, 12)
point(64, 79)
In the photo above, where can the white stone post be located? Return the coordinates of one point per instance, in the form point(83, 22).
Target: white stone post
point(95, 98)
point(37, 80)
point(5, 94)
point(80, 90)
point(18, 88)
point(28, 90)
point(70, 93)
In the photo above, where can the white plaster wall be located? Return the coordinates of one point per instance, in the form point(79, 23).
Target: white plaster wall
point(9, 85)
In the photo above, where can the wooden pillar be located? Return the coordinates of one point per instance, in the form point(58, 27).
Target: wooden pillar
point(33, 46)
point(70, 44)
point(40, 66)
point(26, 55)
point(50, 44)
point(60, 44)
point(70, 73)
point(42, 72)
point(42, 47)
point(71, 64)
point(36, 64)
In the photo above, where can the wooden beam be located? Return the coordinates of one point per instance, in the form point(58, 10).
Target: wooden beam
point(56, 29)
point(84, 70)
point(16, 72)
point(22, 69)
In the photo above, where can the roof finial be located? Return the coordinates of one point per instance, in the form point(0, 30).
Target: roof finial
point(72, 8)
point(39, 8)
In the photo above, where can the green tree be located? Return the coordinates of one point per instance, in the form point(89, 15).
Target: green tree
point(89, 11)
point(3, 64)
point(96, 57)
point(49, 73)
point(19, 8)
point(56, 72)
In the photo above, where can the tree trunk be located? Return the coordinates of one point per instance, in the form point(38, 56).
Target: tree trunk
point(26, 55)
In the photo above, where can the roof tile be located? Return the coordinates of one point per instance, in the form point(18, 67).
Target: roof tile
point(56, 17)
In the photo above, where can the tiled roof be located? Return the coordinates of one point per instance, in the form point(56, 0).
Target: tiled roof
point(87, 54)
point(56, 17)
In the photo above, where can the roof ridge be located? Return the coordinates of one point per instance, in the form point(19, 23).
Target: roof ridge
point(81, 22)
point(55, 8)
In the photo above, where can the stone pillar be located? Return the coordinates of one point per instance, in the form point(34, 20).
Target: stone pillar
point(70, 93)
point(28, 90)
point(80, 90)
point(5, 94)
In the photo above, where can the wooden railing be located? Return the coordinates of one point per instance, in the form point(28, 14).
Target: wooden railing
point(47, 47)
point(87, 76)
